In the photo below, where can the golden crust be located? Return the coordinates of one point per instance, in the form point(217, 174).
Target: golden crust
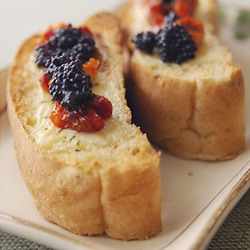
point(92, 192)
point(194, 120)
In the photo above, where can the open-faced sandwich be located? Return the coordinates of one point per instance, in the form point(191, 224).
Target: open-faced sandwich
point(88, 168)
point(183, 89)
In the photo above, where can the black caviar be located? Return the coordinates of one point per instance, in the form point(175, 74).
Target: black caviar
point(69, 40)
point(145, 41)
point(55, 62)
point(173, 43)
point(71, 85)
point(62, 56)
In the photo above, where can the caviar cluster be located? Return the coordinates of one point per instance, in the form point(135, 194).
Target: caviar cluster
point(145, 41)
point(70, 41)
point(71, 85)
point(62, 57)
point(173, 43)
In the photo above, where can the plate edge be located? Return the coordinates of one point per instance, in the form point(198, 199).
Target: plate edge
point(211, 225)
point(13, 220)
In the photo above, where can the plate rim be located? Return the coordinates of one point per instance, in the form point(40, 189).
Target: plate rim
point(222, 209)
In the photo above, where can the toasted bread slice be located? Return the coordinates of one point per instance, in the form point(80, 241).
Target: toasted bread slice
point(93, 182)
point(194, 110)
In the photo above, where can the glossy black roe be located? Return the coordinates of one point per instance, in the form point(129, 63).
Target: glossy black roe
point(145, 41)
point(175, 44)
point(71, 85)
point(68, 40)
point(55, 63)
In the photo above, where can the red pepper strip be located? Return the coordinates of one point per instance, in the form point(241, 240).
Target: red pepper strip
point(91, 67)
point(81, 121)
point(102, 106)
point(86, 30)
point(185, 7)
point(44, 81)
point(156, 16)
point(87, 120)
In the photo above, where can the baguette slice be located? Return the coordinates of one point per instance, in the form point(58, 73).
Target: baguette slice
point(89, 183)
point(194, 110)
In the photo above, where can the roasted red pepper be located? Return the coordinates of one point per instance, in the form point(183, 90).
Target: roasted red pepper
point(44, 81)
point(156, 16)
point(84, 120)
point(157, 9)
point(185, 7)
point(91, 67)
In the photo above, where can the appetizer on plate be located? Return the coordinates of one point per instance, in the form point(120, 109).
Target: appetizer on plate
point(88, 168)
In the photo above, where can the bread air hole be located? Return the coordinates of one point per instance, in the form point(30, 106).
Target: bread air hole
point(135, 151)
